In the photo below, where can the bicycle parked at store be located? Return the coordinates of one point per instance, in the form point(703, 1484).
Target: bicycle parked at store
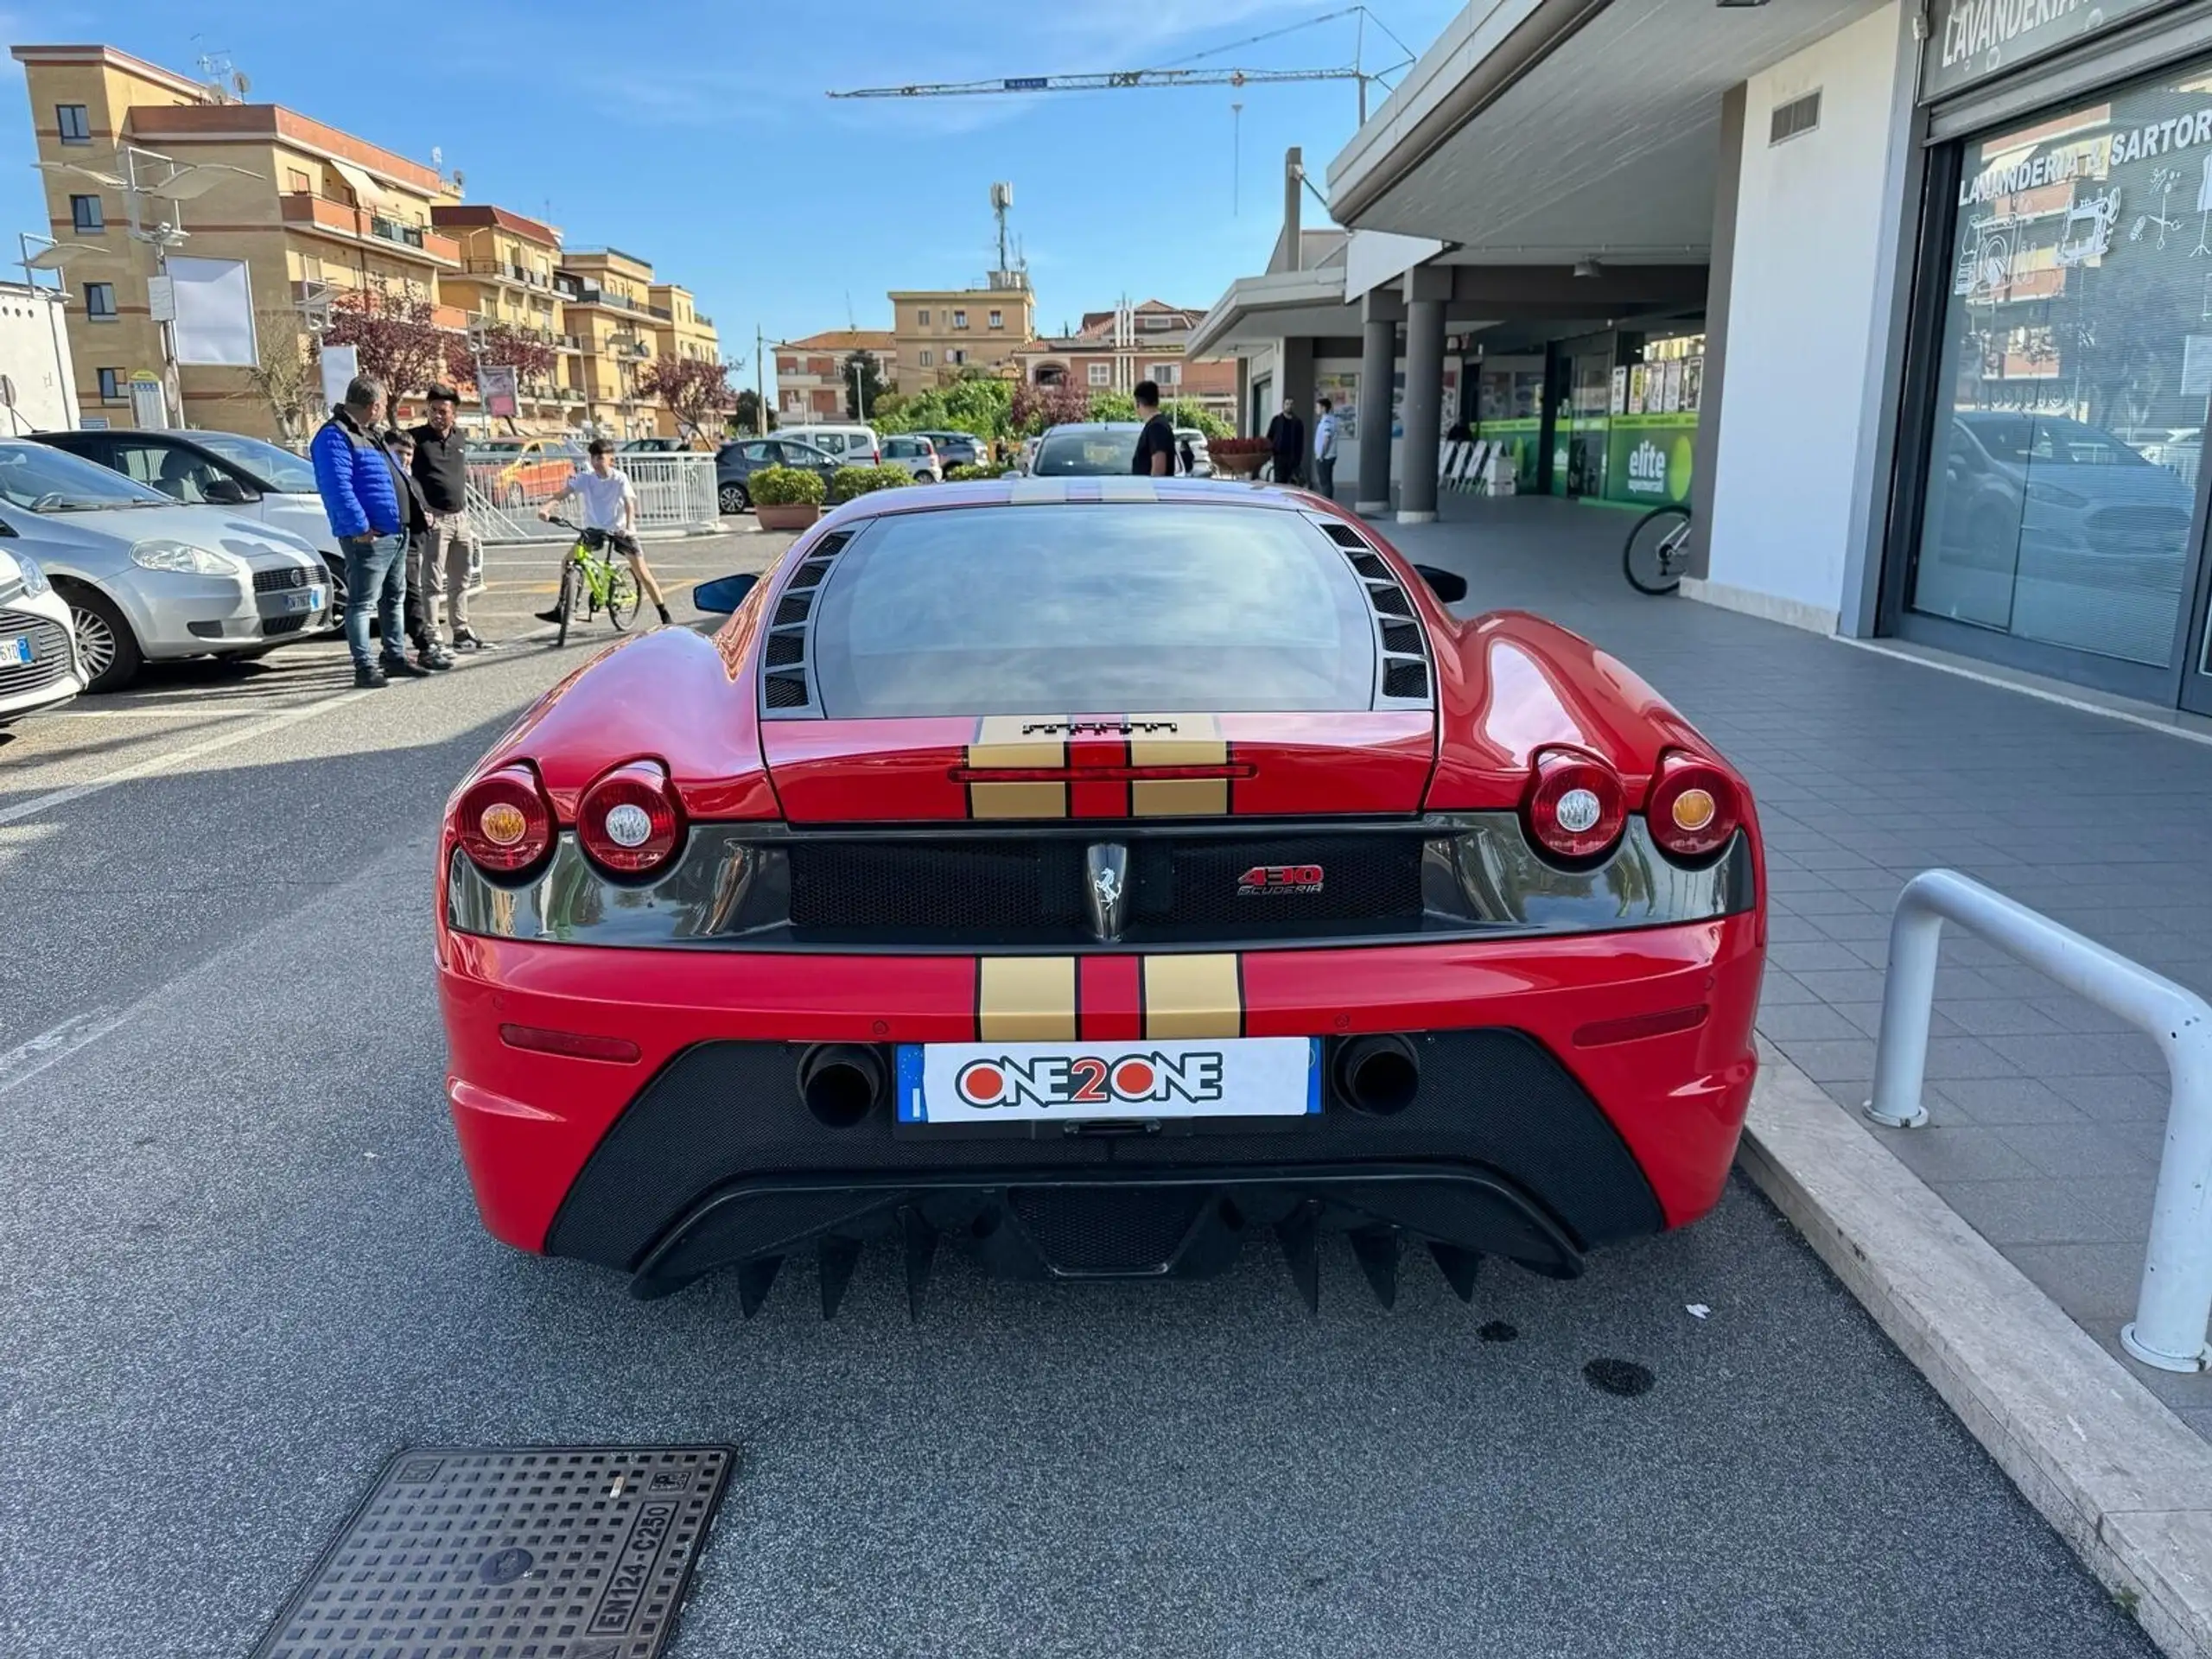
point(596, 575)
point(1658, 550)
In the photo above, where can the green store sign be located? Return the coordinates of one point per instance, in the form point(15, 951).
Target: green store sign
point(1648, 458)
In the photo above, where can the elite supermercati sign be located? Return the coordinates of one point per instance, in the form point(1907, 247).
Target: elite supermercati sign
point(1972, 40)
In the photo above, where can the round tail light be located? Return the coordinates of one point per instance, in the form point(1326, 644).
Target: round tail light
point(1695, 808)
point(630, 821)
point(504, 822)
point(1576, 805)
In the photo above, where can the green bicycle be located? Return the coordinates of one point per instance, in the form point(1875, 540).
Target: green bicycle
point(598, 576)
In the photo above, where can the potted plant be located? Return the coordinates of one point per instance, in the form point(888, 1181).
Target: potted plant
point(1237, 457)
point(786, 498)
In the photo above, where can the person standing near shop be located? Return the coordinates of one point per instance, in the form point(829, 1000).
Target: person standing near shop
point(1324, 450)
point(1287, 439)
point(447, 551)
point(1155, 455)
point(355, 481)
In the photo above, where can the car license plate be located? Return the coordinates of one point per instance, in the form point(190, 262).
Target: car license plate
point(15, 651)
point(314, 599)
point(1085, 1080)
point(300, 599)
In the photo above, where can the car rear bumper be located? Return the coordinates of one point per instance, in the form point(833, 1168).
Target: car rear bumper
point(1538, 1130)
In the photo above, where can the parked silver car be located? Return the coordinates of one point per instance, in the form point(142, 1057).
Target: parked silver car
point(146, 579)
point(38, 658)
point(912, 453)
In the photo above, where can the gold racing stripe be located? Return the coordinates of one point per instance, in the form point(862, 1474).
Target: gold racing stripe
point(1001, 742)
point(1131, 488)
point(1196, 741)
point(1193, 996)
point(1025, 999)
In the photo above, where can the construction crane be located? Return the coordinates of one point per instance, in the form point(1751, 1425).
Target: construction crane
point(1175, 74)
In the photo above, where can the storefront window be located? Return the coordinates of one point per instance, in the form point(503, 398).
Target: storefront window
point(2076, 360)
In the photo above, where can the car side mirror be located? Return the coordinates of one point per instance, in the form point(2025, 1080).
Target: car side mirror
point(725, 593)
point(1447, 585)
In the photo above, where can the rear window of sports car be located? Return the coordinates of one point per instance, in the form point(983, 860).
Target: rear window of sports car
point(1091, 609)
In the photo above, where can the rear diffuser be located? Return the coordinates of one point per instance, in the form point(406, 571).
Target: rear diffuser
point(581, 1552)
point(1061, 1224)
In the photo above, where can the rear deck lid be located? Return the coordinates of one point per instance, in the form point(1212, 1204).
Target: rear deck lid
point(1106, 659)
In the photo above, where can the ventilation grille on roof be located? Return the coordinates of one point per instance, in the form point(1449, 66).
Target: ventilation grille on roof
point(788, 686)
point(1400, 644)
point(1799, 115)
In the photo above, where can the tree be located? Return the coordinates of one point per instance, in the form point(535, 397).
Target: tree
point(695, 389)
point(1183, 411)
point(980, 404)
point(1112, 406)
point(394, 337)
point(288, 378)
point(863, 385)
point(1034, 408)
point(744, 411)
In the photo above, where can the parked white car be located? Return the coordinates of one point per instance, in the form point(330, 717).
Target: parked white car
point(1190, 456)
point(145, 578)
point(847, 443)
point(39, 668)
point(914, 453)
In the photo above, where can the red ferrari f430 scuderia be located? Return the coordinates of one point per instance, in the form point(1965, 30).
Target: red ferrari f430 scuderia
point(1092, 873)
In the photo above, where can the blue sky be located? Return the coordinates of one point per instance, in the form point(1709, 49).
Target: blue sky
point(697, 134)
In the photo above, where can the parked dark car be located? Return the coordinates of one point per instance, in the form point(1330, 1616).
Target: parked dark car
point(735, 463)
point(958, 448)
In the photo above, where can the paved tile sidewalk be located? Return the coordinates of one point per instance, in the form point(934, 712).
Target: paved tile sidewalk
point(2046, 1113)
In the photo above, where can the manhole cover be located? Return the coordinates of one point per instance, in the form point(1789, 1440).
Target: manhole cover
point(579, 1552)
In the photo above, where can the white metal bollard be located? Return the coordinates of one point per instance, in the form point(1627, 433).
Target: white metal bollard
point(2174, 1305)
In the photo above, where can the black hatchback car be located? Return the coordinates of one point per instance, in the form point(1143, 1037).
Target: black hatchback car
point(735, 463)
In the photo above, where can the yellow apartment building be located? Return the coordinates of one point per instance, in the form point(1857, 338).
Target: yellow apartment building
point(313, 211)
point(310, 211)
point(939, 332)
point(508, 262)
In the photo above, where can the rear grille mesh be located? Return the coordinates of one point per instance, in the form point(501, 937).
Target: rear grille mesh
point(787, 691)
point(1405, 678)
point(1031, 889)
point(790, 686)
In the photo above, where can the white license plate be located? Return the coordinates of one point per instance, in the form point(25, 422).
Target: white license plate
point(1088, 1081)
point(15, 651)
point(300, 599)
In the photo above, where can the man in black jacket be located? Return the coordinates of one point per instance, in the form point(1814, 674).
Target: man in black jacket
point(1287, 437)
point(445, 554)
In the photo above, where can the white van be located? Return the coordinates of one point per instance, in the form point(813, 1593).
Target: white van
point(847, 444)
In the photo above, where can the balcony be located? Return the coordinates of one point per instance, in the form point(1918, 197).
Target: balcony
point(307, 212)
point(503, 271)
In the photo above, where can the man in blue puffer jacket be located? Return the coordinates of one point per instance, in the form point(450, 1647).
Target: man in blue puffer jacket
point(362, 500)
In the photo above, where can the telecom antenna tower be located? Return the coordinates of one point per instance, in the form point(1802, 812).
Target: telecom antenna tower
point(1011, 271)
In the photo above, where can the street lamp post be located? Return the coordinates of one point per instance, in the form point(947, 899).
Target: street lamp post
point(52, 258)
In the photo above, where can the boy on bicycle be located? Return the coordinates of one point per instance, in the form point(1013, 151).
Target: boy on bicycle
point(610, 504)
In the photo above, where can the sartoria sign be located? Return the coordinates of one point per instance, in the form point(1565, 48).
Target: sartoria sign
point(2096, 157)
point(1973, 40)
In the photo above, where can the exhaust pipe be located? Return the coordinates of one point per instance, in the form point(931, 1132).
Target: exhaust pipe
point(1377, 1075)
point(842, 1082)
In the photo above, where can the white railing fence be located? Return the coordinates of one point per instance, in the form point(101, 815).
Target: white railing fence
point(2173, 1305)
point(675, 497)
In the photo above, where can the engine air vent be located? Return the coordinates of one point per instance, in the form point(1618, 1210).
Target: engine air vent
point(1401, 639)
point(1342, 534)
point(1390, 599)
point(1371, 568)
point(788, 686)
point(1406, 676)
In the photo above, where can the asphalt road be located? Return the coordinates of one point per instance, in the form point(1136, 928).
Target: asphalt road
point(239, 1267)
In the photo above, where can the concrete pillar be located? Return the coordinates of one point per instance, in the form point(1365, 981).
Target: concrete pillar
point(1294, 177)
point(1378, 365)
point(1294, 378)
point(1705, 442)
point(1428, 286)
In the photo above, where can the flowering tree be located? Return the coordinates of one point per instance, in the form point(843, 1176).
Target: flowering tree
point(696, 390)
point(395, 338)
point(1036, 407)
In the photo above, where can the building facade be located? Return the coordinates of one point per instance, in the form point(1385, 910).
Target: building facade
point(937, 334)
point(1924, 293)
point(311, 214)
point(812, 380)
point(1112, 351)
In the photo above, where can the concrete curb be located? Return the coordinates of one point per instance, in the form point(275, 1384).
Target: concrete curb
point(2123, 1480)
